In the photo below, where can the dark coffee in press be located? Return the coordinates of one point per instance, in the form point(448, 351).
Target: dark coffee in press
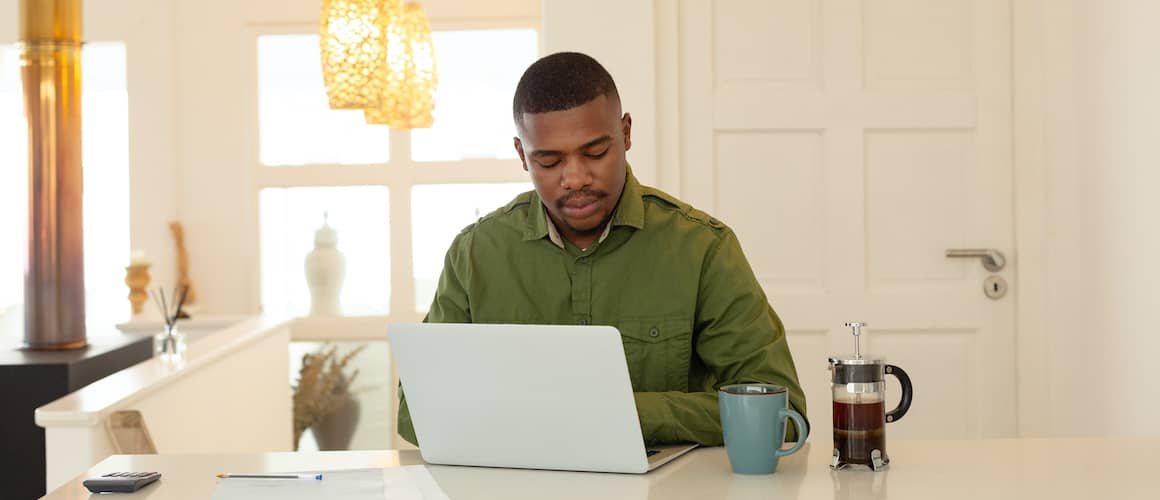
point(859, 429)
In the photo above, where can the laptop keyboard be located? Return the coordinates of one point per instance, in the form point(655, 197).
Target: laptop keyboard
point(651, 452)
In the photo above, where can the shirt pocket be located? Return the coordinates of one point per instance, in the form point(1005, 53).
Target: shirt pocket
point(658, 351)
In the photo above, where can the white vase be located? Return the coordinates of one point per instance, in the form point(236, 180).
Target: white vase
point(325, 272)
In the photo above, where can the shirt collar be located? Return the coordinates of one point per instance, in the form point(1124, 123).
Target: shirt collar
point(629, 212)
point(554, 234)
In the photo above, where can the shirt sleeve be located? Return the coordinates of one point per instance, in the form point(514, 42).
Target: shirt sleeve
point(739, 338)
point(449, 306)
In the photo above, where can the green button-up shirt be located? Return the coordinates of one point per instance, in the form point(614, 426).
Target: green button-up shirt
point(672, 279)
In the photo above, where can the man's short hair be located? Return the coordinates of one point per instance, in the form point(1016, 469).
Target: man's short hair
point(559, 82)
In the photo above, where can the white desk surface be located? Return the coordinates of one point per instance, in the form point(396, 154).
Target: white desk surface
point(1056, 469)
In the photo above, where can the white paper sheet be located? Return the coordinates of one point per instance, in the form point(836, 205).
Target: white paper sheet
point(412, 482)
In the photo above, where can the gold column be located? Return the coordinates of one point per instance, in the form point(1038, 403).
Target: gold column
point(54, 281)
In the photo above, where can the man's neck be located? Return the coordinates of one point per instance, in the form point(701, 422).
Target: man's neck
point(583, 241)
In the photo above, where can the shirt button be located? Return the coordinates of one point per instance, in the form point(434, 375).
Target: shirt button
point(583, 322)
point(653, 332)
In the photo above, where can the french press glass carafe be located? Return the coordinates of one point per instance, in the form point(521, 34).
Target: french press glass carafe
point(859, 389)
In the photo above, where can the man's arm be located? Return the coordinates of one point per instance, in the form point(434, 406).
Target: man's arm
point(450, 306)
point(738, 337)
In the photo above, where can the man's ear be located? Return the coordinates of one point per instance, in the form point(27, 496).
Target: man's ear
point(520, 151)
point(626, 125)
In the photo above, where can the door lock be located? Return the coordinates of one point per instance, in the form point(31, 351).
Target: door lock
point(995, 287)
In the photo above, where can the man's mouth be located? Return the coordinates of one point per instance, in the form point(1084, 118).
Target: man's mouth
point(579, 209)
point(582, 206)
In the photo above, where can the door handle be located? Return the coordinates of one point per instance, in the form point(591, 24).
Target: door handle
point(993, 260)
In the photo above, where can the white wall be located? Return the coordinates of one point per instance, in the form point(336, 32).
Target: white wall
point(1119, 119)
point(621, 35)
point(1088, 117)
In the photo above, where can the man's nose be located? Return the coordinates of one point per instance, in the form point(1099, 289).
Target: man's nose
point(576, 175)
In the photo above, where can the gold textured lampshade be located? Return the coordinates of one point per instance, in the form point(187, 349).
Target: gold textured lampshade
point(408, 98)
point(353, 45)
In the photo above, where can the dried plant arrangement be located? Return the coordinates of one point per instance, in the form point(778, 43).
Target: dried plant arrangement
point(322, 387)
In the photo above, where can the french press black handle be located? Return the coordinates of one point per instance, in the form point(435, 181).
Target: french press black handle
point(907, 393)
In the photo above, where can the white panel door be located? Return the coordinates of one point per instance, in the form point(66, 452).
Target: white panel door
point(850, 144)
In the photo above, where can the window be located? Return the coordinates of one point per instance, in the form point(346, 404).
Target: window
point(106, 176)
point(387, 192)
point(356, 214)
point(473, 104)
point(13, 185)
point(296, 127)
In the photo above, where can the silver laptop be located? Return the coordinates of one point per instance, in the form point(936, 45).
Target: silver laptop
point(523, 396)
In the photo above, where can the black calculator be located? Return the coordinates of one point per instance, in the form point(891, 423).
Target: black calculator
point(121, 482)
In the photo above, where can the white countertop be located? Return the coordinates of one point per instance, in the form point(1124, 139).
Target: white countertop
point(210, 338)
point(1057, 469)
point(89, 405)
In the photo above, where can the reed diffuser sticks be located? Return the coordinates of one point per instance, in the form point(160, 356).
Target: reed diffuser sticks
point(167, 344)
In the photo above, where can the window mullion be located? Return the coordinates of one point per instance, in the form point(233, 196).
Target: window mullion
point(401, 234)
point(400, 147)
point(311, 175)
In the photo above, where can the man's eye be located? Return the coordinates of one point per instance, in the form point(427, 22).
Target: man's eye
point(548, 165)
point(597, 156)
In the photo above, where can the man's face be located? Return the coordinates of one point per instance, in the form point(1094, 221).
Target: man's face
point(577, 161)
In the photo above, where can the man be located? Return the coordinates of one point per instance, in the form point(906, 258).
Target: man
point(591, 245)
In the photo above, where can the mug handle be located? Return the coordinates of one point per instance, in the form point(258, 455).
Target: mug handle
point(798, 422)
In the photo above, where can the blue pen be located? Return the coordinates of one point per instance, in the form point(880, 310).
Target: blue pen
point(313, 477)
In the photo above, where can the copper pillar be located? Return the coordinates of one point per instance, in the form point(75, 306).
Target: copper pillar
point(54, 275)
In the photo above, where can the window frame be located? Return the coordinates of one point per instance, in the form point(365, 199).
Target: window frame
point(399, 174)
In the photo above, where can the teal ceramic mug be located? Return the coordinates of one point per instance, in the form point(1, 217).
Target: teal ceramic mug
point(753, 418)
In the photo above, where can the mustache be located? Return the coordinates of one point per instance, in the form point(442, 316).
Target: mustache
point(583, 193)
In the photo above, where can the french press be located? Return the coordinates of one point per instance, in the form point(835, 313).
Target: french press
point(859, 388)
